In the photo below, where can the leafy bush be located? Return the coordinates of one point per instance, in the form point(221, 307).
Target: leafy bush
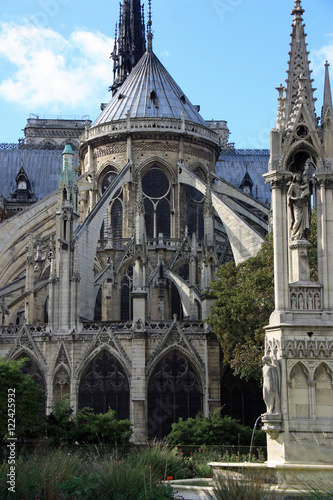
point(213, 430)
point(29, 416)
point(60, 426)
point(102, 427)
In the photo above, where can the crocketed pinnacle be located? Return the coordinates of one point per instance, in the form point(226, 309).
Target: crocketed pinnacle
point(327, 104)
point(299, 67)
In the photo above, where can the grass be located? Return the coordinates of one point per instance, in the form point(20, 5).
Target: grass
point(241, 486)
point(65, 474)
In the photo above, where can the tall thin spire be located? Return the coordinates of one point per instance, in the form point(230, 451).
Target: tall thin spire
point(327, 104)
point(131, 43)
point(149, 32)
point(299, 66)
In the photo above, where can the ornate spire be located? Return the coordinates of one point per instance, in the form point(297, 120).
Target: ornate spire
point(299, 66)
point(131, 43)
point(149, 32)
point(327, 105)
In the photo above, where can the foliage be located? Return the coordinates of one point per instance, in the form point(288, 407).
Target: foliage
point(244, 301)
point(102, 427)
point(65, 475)
point(216, 430)
point(163, 460)
point(197, 460)
point(41, 474)
point(29, 418)
point(61, 429)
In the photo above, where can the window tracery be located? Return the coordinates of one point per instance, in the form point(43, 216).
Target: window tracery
point(174, 391)
point(104, 385)
point(157, 195)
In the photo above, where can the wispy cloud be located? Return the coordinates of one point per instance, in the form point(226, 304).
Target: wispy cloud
point(49, 70)
point(318, 58)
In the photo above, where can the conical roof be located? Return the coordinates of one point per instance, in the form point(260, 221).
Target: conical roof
point(149, 92)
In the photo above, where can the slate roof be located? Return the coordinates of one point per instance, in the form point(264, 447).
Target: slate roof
point(149, 92)
point(43, 168)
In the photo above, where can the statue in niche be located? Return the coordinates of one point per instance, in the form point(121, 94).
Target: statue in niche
point(317, 301)
point(272, 384)
point(299, 202)
point(310, 301)
point(300, 301)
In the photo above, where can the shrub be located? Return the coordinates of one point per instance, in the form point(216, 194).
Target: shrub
point(102, 427)
point(60, 426)
point(213, 430)
point(28, 415)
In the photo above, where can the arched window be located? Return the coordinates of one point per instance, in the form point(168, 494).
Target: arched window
point(176, 303)
point(195, 221)
point(174, 391)
point(98, 306)
point(31, 368)
point(46, 310)
point(104, 385)
point(61, 384)
point(163, 218)
point(156, 190)
point(117, 219)
point(126, 309)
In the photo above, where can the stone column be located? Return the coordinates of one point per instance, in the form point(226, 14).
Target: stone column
point(138, 386)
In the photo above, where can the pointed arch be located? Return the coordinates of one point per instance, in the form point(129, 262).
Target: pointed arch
point(323, 391)
point(299, 399)
point(104, 384)
point(61, 382)
point(174, 390)
point(33, 369)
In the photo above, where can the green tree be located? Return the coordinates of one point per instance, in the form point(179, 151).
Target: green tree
point(61, 428)
point(244, 300)
point(20, 399)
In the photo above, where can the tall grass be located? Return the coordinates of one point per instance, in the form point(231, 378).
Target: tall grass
point(244, 485)
point(41, 474)
point(69, 475)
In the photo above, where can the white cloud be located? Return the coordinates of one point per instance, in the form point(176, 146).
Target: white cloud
point(49, 70)
point(319, 57)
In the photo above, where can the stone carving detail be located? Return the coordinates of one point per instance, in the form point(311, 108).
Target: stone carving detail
point(305, 298)
point(299, 207)
point(200, 153)
point(273, 348)
point(155, 146)
point(117, 148)
point(309, 348)
point(272, 384)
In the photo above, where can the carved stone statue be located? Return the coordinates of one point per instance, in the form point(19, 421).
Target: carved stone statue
point(271, 384)
point(299, 201)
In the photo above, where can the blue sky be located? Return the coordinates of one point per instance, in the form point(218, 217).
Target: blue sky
point(226, 55)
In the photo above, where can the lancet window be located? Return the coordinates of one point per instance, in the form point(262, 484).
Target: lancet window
point(157, 199)
point(104, 385)
point(174, 391)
